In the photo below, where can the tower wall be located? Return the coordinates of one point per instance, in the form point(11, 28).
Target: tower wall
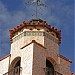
point(45, 39)
point(40, 55)
point(4, 65)
point(64, 67)
point(24, 37)
point(26, 55)
point(39, 60)
point(15, 48)
point(34, 54)
point(27, 60)
point(50, 42)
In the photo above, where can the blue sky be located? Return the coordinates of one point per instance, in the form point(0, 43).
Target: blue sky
point(59, 13)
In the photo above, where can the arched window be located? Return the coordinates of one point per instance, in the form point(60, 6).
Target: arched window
point(14, 68)
point(17, 64)
point(17, 67)
point(49, 68)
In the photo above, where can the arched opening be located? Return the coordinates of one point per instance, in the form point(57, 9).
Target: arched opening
point(17, 64)
point(49, 64)
point(14, 68)
point(49, 68)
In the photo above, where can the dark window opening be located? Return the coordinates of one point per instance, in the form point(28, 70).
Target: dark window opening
point(17, 67)
point(49, 68)
point(49, 64)
point(17, 64)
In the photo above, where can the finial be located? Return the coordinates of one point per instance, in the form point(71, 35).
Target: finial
point(37, 4)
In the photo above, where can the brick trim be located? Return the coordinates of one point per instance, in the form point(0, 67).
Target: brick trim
point(5, 57)
point(32, 23)
point(33, 41)
point(61, 56)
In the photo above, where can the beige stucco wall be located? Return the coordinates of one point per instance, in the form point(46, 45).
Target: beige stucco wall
point(26, 54)
point(27, 60)
point(60, 65)
point(15, 48)
point(39, 39)
point(64, 67)
point(17, 45)
point(4, 64)
point(39, 60)
point(33, 61)
point(52, 51)
point(49, 44)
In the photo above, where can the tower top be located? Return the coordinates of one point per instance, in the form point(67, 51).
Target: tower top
point(36, 23)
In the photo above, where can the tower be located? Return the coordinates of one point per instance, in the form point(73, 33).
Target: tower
point(35, 50)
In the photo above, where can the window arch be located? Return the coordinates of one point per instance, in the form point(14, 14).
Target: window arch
point(15, 62)
point(14, 67)
point(49, 64)
point(49, 68)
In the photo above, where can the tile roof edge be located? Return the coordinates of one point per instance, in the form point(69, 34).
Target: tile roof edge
point(5, 57)
point(33, 41)
point(63, 57)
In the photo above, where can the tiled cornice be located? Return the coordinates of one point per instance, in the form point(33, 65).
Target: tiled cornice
point(36, 23)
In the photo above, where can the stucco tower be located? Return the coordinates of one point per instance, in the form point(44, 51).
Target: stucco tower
point(35, 50)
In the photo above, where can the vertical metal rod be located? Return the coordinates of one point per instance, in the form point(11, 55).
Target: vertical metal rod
point(36, 8)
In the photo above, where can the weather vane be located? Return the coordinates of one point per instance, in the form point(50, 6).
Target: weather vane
point(37, 4)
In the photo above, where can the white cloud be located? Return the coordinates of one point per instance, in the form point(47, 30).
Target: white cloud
point(4, 14)
point(8, 20)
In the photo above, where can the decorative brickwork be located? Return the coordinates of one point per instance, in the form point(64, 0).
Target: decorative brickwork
point(35, 24)
point(35, 33)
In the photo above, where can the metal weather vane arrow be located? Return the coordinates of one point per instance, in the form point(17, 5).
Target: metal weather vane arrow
point(37, 4)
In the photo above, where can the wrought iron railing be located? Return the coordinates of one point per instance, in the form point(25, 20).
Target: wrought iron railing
point(49, 71)
point(15, 71)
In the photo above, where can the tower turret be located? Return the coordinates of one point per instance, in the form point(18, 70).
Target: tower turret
point(35, 50)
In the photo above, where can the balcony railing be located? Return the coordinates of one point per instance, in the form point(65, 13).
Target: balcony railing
point(15, 71)
point(49, 71)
